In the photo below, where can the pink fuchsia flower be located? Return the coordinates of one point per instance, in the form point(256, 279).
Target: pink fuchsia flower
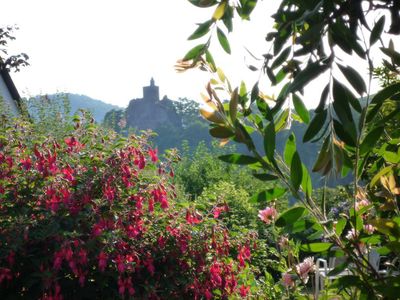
point(268, 214)
point(287, 279)
point(153, 155)
point(305, 267)
point(369, 229)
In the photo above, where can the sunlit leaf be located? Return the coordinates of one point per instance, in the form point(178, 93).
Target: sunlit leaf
point(316, 247)
point(290, 216)
point(301, 109)
point(203, 29)
point(290, 149)
point(269, 141)
point(219, 11)
point(223, 40)
point(370, 140)
point(195, 52)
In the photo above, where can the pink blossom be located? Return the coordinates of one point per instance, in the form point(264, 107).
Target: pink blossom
point(243, 290)
point(305, 267)
point(268, 214)
point(361, 204)
point(153, 155)
point(351, 234)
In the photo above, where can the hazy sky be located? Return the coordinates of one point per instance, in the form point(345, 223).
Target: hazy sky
point(109, 50)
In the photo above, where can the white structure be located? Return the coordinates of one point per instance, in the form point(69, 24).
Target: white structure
point(9, 96)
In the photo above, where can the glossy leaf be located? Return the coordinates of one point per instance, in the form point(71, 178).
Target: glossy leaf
point(223, 40)
point(290, 216)
point(238, 159)
point(301, 109)
point(290, 149)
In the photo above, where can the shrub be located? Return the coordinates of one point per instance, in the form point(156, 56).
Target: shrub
point(91, 215)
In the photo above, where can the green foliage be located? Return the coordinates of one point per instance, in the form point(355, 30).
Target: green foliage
point(311, 38)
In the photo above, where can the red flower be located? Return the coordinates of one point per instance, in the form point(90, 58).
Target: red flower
point(153, 155)
point(102, 261)
point(244, 290)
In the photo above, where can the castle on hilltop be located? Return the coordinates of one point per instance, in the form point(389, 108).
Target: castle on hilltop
point(150, 112)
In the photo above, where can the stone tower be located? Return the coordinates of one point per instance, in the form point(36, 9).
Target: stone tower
point(151, 92)
point(150, 112)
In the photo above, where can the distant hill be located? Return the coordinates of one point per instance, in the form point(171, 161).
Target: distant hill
point(75, 102)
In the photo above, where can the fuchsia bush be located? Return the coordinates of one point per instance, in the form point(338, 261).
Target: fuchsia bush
point(89, 216)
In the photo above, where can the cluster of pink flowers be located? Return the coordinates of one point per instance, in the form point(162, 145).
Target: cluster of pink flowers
point(302, 271)
point(268, 215)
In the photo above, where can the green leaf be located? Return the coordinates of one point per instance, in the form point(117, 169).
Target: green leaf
point(306, 182)
point(296, 171)
point(324, 156)
point(223, 41)
point(370, 140)
point(301, 109)
point(290, 216)
point(221, 132)
point(195, 52)
point(210, 60)
point(269, 141)
point(290, 149)
point(386, 93)
point(378, 175)
point(315, 125)
point(265, 177)
point(203, 29)
point(316, 247)
point(233, 105)
point(340, 225)
point(354, 78)
point(343, 134)
point(322, 100)
point(219, 11)
point(309, 73)
point(238, 159)
point(338, 269)
point(377, 31)
point(281, 58)
point(203, 3)
point(268, 195)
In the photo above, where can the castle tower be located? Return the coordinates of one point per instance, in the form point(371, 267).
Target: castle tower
point(151, 92)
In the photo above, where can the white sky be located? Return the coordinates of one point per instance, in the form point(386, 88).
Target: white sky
point(109, 50)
